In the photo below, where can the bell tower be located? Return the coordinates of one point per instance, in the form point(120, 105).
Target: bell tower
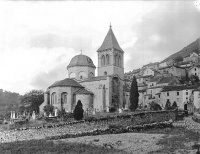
point(110, 57)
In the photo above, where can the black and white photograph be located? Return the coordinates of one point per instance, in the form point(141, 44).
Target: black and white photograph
point(99, 77)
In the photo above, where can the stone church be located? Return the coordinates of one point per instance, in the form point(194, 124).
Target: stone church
point(101, 92)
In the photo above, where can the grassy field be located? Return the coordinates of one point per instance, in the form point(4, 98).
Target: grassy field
point(49, 147)
point(176, 140)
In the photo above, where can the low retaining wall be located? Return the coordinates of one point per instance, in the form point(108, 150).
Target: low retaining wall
point(125, 119)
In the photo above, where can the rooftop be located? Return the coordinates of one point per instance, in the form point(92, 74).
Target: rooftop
point(83, 91)
point(98, 78)
point(68, 82)
point(81, 60)
point(110, 42)
point(177, 88)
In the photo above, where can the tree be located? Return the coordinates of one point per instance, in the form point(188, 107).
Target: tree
point(32, 100)
point(154, 106)
point(178, 59)
point(48, 109)
point(168, 105)
point(174, 105)
point(78, 111)
point(134, 95)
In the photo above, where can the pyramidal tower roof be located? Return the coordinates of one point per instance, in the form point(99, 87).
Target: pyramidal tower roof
point(110, 42)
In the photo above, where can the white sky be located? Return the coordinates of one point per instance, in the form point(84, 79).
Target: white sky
point(38, 39)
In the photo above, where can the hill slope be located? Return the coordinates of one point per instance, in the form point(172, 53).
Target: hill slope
point(186, 51)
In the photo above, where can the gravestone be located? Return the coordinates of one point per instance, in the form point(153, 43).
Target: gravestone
point(56, 113)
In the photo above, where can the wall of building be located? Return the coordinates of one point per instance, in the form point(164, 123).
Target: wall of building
point(197, 99)
point(86, 100)
point(77, 71)
point(96, 87)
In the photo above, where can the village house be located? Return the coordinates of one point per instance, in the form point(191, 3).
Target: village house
point(177, 71)
point(151, 65)
point(129, 75)
point(194, 70)
point(180, 94)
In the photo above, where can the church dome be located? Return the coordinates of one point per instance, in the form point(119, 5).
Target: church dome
point(81, 60)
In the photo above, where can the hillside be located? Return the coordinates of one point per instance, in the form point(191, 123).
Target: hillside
point(186, 51)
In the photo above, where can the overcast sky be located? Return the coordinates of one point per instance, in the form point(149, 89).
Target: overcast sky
point(39, 38)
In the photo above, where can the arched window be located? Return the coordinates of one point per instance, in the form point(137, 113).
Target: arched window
point(119, 61)
point(53, 98)
point(115, 60)
point(103, 60)
point(105, 73)
point(107, 59)
point(64, 98)
point(91, 74)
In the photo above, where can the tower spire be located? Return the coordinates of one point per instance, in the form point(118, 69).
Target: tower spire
point(110, 25)
point(81, 52)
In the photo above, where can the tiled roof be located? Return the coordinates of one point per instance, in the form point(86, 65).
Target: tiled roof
point(184, 62)
point(155, 87)
point(81, 60)
point(68, 82)
point(142, 90)
point(166, 79)
point(147, 76)
point(98, 78)
point(141, 85)
point(83, 91)
point(156, 79)
point(110, 42)
point(177, 88)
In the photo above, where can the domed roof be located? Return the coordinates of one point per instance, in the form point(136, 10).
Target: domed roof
point(81, 60)
point(68, 82)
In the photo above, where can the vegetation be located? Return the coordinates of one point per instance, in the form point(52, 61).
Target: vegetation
point(177, 140)
point(9, 101)
point(174, 105)
point(168, 105)
point(78, 111)
point(45, 146)
point(48, 109)
point(32, 100)
point(178, 59)
point(134, 95)
point(154, 106)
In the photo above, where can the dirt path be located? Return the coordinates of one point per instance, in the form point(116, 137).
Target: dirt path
point(137, 143)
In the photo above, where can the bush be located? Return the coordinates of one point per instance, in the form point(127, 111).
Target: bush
point(78, 111)
point(112, 109)
point(168, 105)
point(174, 105)
point(155, 107)
point(48, 109)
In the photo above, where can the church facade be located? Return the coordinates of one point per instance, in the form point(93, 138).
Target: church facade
point(102, 92)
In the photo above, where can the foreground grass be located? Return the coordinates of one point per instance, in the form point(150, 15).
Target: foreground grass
point(49, 147)
point(176, 140)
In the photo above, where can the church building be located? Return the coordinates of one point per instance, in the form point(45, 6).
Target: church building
point(102, 92)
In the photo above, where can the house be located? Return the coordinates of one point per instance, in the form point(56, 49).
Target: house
point(129, 75)
point(185, 64)
point(151, 65)
point(180, 94)
point(194, 70)
point(177, 71)
point(144, 79)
